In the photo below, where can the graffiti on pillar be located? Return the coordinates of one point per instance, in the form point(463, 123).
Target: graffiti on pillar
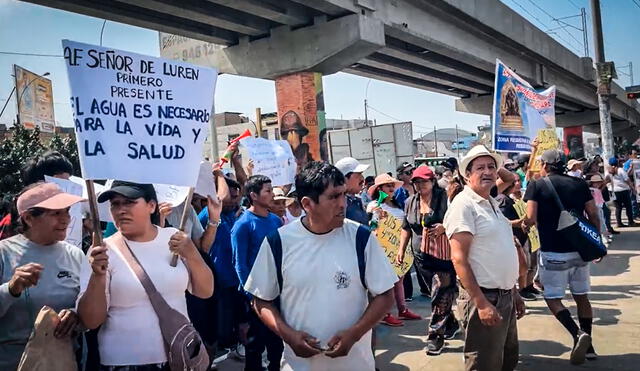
point(573, 144)
point(301, 115)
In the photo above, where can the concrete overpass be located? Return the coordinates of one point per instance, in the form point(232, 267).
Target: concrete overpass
point(445, 46)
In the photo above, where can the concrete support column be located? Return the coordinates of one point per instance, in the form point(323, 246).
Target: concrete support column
point(301, 115)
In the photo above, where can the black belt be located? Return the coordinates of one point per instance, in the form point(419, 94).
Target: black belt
point(495, 291)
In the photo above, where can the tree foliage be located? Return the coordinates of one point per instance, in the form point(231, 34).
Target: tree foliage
point(23, 144)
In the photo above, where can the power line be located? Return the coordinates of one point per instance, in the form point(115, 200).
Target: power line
point(557, 20)
point(574, 4)
point(384, 114)
point(636, 2)
point(32, 54)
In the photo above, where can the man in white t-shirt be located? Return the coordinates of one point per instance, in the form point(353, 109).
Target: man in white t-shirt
point(326, 265)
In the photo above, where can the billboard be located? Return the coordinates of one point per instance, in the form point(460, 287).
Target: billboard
point(34, 97)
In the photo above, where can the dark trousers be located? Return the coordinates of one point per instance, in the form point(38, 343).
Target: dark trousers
point(444, 290)
point(259, 338)
point(623, 200)
point(607, 216)
point(232, 311)
point(407, 283)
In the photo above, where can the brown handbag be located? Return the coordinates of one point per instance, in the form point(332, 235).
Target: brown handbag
point(436, 246)
point(183, 344)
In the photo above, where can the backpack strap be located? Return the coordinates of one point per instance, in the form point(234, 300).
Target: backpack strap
point(362, 237)
point(553, 193)
point(275, 243)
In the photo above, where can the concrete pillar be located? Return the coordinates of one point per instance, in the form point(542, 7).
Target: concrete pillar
point(301, 115)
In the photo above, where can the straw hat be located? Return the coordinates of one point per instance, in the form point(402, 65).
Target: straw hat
point(384, 179)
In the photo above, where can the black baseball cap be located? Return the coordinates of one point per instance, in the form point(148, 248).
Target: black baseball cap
point(129, 190)
point(552, 156)
point(403, 166)
point(451, 163)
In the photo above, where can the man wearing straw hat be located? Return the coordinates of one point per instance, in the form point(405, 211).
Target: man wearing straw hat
point(486, 261)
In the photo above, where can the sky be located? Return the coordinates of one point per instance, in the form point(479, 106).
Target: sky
point(28, 28)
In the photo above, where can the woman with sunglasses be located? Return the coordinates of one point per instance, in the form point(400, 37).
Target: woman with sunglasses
point(390, 208)
point(112, 295)
point(38, 268)
point(424, 214)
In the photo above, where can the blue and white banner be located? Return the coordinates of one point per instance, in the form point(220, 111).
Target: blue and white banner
point(519, 111)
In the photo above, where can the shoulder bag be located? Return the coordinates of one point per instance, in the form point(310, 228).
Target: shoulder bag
point(576, 232)
point(184, 346)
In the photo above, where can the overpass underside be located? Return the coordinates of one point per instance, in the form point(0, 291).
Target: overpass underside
point(444, 46)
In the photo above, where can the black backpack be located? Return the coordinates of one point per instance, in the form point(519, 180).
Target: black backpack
point(362, 237)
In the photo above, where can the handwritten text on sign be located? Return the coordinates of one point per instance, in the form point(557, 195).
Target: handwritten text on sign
point(534, 238)
point(272, 158)
point(388, 234)
point(138, 118)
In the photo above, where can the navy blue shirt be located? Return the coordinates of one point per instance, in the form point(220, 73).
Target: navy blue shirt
point(401, 195)
point(221, 253)
point(355, 211)
point(247, 235)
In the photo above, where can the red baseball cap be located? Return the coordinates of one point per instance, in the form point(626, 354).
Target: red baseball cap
point(423, 172)
point(46, 196)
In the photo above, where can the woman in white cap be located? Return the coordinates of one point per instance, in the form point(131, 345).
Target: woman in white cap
point(390, 207)
point(38, 268)
point(112, 295)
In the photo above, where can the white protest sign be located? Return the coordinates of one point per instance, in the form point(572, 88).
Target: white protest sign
point(172, 194)
point(138, 118)
point(104, 212)
point(206, 186)
point(272, 158)
point(74, 230)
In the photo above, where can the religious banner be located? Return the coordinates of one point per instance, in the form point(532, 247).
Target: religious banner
point(519, 111)
point(138, 118)
point(573, 144)
point(271, 158)
point(534, 237)
point(388, 234)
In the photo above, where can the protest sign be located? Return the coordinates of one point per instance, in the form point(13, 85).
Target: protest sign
point(74, 230)
point(388, 234)
point(546, 139)
point(519, 111)
point(138, 118)
point(171, 194)
point(534, 237)
point(206, 186)
point(272, 158)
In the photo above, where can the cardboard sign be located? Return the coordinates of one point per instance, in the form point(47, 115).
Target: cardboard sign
point(272, 158)
point(74, 230)
point(388, 234)
point(174, 195)
point(138, 118)
point(547, 139)
point(534, 237)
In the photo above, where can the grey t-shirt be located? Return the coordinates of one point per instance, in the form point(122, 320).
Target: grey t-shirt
point(192, 227)
point(57, 288)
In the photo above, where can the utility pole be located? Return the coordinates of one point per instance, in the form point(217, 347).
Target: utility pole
point(259, 122)
point(435, 140)
point(366, 115)
point(585, 36)
point(606, 72)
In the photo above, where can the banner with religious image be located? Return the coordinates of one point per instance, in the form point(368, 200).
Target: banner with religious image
point(519, 111)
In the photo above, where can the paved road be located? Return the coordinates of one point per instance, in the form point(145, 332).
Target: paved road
point(544, 343)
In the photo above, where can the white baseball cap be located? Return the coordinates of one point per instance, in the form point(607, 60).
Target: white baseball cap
point(350, 165)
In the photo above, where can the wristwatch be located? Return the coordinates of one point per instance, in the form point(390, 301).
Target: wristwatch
point(215, 224)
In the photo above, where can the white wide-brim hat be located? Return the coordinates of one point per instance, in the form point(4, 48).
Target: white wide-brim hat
point(478, 151)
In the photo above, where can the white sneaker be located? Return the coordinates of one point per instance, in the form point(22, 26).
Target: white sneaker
point(579, 350)
point(239, 352)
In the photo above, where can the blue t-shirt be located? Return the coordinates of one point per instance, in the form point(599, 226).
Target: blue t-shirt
point(355, 210)
point(401, 195)
point(220, 252)
point(247, 235)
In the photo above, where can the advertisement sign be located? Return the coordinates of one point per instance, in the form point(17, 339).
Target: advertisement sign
point(138, 118)
point(34, 96)
point(519, 111)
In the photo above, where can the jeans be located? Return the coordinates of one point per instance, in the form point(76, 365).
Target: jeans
point(623, 200)
point(259, 338)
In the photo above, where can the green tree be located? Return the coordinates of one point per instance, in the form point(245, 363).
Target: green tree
point(14, 151)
